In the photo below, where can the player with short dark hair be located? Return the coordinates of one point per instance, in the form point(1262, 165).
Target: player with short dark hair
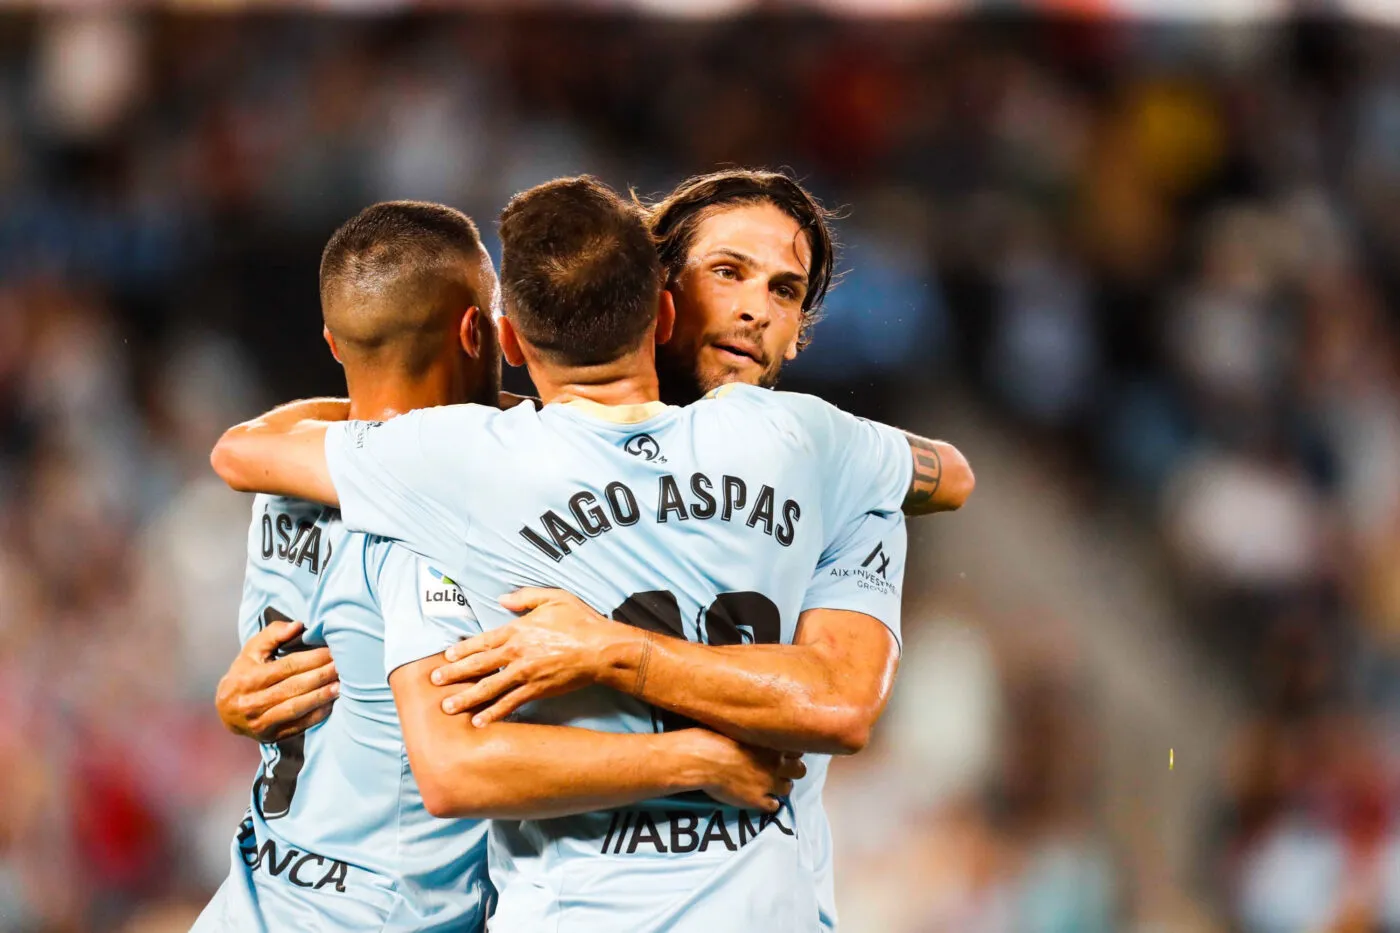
point(337, 835)
point(573, 244)
point(748, 259)
point(717, 523)
point(389, 290)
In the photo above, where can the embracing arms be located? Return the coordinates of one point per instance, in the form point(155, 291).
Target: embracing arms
point(821, 694)
point(282, 452)
point(521, 771)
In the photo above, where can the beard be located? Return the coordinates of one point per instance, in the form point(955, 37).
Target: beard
point(683, 380)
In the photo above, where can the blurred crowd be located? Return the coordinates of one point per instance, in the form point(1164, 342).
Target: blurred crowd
point(1166, 259)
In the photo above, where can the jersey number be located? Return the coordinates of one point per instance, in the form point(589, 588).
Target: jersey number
point(732, 619)
point(275, 787)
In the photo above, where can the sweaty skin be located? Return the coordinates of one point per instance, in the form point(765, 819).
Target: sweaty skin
point(779, 696)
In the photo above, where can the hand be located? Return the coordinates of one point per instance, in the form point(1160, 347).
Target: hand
point(270, 699)
point(558, 646)
point(745, 776)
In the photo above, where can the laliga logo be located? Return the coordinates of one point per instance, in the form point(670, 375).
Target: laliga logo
point(644, 446)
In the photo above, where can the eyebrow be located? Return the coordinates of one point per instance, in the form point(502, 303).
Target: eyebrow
point(785, 277)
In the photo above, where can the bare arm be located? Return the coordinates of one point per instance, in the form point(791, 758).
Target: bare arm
point(522, 771)
point(823, 693)
point(942, 477)
point(282, 452)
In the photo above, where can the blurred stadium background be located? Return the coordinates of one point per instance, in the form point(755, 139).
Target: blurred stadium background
point(1145, 273)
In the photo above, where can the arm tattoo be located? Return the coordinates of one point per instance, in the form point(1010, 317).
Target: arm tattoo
point(928, 473)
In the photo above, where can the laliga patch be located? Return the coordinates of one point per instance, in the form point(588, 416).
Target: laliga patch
point(439, 596)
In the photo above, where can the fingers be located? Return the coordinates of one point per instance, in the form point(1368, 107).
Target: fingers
point(509, 703)
point(294, 688)
point(792, 768)
point(291, 665)
point(471, 669)
point(301, 705)
point(476, 644)
point(529, 597)
point(297, 726)
point(265, 643)
point(484, 691)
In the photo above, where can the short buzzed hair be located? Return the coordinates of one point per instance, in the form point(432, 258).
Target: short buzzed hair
point(675, 219)
point(393, 277)
point(579, 274)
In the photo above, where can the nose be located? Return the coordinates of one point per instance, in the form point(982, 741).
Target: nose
point(753, 304)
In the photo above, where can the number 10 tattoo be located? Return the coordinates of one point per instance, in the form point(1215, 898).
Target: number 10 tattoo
point(928, 473)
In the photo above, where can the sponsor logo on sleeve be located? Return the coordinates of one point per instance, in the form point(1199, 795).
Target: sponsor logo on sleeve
point(439, 595)
point(872, 574)
point(878, 561)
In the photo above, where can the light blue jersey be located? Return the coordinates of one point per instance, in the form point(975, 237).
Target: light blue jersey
point(862, 571)
point(702, 523)
point(337, 837)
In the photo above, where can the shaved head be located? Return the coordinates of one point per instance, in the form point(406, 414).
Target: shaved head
point(395, 281)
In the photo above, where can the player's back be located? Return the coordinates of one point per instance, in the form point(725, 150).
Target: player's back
point(336, 836)
point(702, 523)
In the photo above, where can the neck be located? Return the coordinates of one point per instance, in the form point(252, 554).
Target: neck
point(629, 380)
point(378, 397)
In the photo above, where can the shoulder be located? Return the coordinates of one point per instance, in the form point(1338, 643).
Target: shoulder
point(742, 395)
point(469, 423)
point(794, 415)
point(425, 423)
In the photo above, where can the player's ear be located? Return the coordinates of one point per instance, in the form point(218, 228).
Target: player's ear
point(665, 316)
point(470, 332)
point(510, 342)
point(330, 342)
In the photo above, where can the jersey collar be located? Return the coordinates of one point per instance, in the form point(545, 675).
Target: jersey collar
point(618, 414)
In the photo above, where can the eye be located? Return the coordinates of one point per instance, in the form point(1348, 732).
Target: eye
point(726, 272)
point(786, 292)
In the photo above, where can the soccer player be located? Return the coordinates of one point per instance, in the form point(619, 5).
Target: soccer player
point(748, 257)
point(611, 494)
point(337, 836)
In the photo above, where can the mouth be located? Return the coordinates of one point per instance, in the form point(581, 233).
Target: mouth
point(738, 352)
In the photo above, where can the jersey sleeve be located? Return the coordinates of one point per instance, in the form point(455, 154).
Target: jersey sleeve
point(424, 610)
point(868, 465)
point(862, 570)
point(401, 478)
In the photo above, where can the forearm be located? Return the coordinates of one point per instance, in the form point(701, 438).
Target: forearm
point(942, 478)
point(520, 771)
point(785, 697)
point(281, 452)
